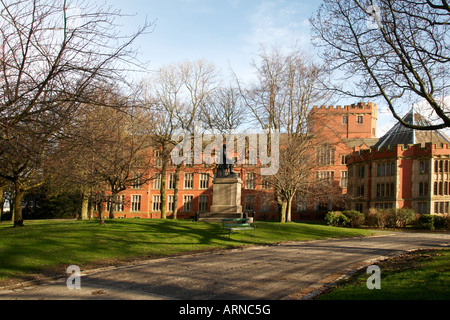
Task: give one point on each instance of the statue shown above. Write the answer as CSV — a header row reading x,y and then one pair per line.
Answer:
x,y
224,169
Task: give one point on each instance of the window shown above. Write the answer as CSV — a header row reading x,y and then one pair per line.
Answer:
x,y
203,203
136,183
158,159
157,182
249,181
301,203
171,181
359,119
204,181
265,182
344,119
343,160
422,207
422,167
435,189
170,202
188,180
323,206
360,172
249,203
325,155
326,176
187,203
265,203
156,203
344,179
359,207
135,203
118,203
360,191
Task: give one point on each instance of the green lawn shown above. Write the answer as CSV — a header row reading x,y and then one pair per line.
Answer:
x,y
421,275
48,246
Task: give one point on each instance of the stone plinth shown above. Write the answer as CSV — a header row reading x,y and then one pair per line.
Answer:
x,y
226,199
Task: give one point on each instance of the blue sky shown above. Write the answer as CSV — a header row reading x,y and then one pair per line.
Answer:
x,y
227,33
224,32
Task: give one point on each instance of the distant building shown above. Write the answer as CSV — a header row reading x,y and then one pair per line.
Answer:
x,y
406,168
341,130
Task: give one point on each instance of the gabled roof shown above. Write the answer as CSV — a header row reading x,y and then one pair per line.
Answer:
x,y
399,134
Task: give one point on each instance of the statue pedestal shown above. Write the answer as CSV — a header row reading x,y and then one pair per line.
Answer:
x,y
226,199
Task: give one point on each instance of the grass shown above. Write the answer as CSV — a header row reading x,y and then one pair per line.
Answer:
x,y
47,247
420,275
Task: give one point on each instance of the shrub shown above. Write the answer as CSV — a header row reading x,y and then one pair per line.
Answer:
x,y
376,218
426,221
399,218
439,222
336,219
370,217
356,218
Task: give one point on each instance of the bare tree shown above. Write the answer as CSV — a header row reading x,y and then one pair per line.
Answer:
x,y
224,111
175,98
54,56
105,150
288,86
395,50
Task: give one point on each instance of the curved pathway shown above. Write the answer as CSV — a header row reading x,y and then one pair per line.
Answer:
x,y
288,271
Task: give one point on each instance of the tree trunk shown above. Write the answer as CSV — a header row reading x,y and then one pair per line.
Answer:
x,y
17,208
90,209
2,203
283,210
162,189
100,209
85,207
111,205
289,209
175,192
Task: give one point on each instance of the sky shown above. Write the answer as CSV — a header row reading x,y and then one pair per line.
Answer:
x,y
227,33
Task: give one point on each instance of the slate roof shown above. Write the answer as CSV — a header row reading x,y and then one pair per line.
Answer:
x,y
399,134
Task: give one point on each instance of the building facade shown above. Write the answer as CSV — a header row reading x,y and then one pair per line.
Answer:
x,y
341,130
406,168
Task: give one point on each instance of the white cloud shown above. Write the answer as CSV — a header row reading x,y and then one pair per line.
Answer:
x,y
277,22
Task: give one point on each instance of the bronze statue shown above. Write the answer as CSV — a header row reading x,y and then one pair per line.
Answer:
x,y
224,169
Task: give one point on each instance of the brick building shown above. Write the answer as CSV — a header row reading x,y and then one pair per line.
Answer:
x,y
405,168
341,130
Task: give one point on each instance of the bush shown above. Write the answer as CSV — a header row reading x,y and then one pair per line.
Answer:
x,y
399,218
356,218
426,221
376,218
336,219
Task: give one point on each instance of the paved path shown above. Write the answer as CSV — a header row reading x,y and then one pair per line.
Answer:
x,y
288,271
